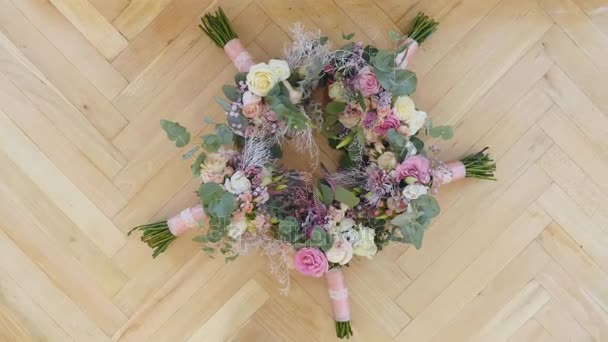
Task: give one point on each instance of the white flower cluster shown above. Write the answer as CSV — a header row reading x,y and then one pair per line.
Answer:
x,y
349,238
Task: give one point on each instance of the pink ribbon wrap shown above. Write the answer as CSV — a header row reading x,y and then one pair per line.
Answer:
x,y
187,219
457,171
404,58
338,293
239,56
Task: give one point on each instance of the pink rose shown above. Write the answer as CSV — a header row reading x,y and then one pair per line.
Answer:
x,y
366,82
416,166
247,207
389,122
311,262
246,197
252,110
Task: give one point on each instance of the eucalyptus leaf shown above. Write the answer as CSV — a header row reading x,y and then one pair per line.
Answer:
x,y
231,92
224,133
323,40
418,143
335,108
288,228
384,60
327,195
428,205
176,132
413,234
211,142
226,106
405,83
210,192
196,166
347,197
348,36
240,77
191,152
443,132
224,207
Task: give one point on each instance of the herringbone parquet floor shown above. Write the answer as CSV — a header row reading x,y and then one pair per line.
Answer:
x,y
83,84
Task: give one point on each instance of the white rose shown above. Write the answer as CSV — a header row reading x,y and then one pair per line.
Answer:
x,y
387,161
340,252
280,69
261,79
404,108
416,121
336,91
414,191
237,227
365,245
250,98
294,95
238,183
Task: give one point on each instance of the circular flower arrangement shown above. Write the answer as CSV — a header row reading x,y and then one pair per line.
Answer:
x,y
382,193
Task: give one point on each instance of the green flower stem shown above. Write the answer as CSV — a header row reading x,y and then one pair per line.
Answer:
x,y
343,329
479,165
217,26
156,235
422,27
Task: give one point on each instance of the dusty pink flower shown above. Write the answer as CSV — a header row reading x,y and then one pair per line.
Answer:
x,y
366,82
252,110
389,122
311,262
416,166
247,207
246,197
270,115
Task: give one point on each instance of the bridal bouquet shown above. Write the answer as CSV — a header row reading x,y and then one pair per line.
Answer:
x,y
383,192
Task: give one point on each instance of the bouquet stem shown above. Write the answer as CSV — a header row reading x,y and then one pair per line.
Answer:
x,y
160,235
217,26
479,165
422,27
338,293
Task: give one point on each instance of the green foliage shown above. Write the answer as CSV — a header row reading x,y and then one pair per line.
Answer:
x,y
443,132
287,111
210,192
240,77
289,230
190,153
176,132
327,195
231,92
398,144
347,197
348,36
224,207
335,107
323,40
418,143
224,134
196,166
320,238
413,223
211,142
226,106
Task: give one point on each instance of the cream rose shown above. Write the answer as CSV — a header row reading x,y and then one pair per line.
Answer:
x,y
214,168
340,252
238,183
413,191
237,226
280,69
416,121
365,245
336,91
387,161
261,79
404,108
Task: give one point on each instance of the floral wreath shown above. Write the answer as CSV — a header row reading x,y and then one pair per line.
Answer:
x,y
382,193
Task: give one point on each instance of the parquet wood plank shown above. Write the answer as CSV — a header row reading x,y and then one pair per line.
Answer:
x,y
58,72
596,10
531,331
137,15
161,32
32,162
444,305
77,49
42,290
560,324
110,9
575,298
87,19
446,229
493,297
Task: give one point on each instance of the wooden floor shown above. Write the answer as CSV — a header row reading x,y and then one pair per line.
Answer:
x,y
83,84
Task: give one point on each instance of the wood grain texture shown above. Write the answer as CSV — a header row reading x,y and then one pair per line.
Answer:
x,y
83,84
